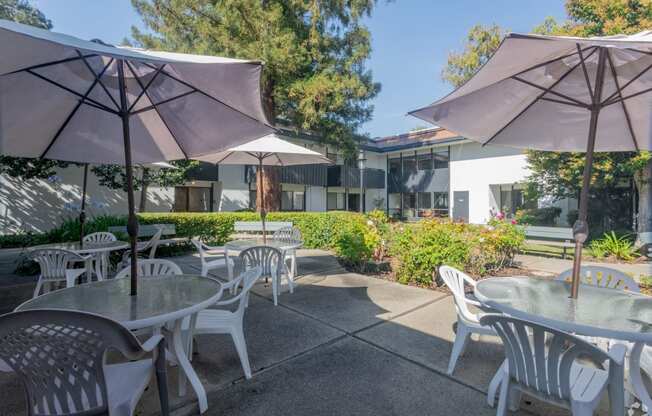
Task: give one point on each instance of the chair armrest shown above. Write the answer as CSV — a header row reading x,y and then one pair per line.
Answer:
x,y
152,342
617,353
212,248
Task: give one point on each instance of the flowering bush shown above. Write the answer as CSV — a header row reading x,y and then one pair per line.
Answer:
x,y
419,249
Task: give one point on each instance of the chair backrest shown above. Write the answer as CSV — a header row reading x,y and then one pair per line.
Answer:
x,y
59,355
603,277
269,259
151,244
54,262
201,248
539,357
151,267
288,235
99,237
247,279
456,280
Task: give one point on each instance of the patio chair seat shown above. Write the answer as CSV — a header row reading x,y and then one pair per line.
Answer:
x,y
125,384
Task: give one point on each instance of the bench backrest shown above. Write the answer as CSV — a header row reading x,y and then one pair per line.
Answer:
x,y
147,230
549,233
257,226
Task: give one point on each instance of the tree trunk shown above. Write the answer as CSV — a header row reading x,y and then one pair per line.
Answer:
x,y
270,176
272,187
643,181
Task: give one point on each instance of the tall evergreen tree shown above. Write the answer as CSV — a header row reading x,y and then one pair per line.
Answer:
x,y
314,52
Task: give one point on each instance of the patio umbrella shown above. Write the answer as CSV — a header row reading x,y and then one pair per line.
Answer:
x,y
69,99
266,151
558,93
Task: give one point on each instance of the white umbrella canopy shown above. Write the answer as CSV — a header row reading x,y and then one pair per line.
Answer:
x,y
266,151
68,99
272,150
558,93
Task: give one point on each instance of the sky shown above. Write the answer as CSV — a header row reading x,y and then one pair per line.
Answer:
x,y
411,40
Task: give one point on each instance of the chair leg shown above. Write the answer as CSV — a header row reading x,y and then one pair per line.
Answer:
x,y
495,383
241,348
503,397
39,284
162,379
461,339
275,283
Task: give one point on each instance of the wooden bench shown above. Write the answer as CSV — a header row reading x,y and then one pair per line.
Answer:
x,y
256,227
148,231
550,236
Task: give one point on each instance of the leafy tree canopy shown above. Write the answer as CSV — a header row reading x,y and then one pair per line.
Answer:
x,y
314,52
114,177
22,12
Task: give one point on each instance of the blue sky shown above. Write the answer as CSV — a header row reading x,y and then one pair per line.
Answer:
x,y
411,40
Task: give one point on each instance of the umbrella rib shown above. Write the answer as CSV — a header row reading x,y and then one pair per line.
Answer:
x,y
74,111
99,80
86,100
627,118
224,158
142,92
533,102
586,73
167,100
174,137
211,97
549,91
60,61
279,159
562,102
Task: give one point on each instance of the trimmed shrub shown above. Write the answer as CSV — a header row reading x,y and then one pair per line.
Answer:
x,y
419,249
538,216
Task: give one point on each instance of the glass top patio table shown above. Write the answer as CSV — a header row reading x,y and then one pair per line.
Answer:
x,y
240,245
87,248
598,312
160,299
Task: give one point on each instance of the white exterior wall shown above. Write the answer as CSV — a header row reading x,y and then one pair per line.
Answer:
x,y
39,205
474,168
233,190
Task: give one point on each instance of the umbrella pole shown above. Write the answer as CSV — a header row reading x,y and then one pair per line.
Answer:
x,y
581,226
132,222
263,213
82,213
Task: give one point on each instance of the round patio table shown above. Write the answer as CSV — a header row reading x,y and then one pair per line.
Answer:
x,y
597,312
241,245
100,250
161,300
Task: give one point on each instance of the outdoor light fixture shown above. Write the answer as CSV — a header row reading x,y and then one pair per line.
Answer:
x,y
361,165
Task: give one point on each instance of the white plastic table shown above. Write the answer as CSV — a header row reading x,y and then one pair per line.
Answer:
x,y
241,245
597,312
99,249
160,300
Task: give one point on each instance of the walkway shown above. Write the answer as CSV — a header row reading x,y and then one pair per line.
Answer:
x,y
342,344
551,266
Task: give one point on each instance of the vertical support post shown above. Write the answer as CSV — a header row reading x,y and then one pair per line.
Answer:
x,y
82,213
263,213
581,227
132,222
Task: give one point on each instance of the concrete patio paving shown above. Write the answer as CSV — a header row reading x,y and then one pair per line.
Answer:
x,y
342,344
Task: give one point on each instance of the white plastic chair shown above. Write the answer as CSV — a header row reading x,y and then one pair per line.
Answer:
x,y
100,262
467,322
543,362
151,267
290,235
222,321
100,237
602,277
60,358
212,257
142,247
55,267
271,261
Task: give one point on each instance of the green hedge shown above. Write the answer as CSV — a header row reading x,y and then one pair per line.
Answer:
x,y
319,229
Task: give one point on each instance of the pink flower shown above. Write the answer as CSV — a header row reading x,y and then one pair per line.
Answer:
x,y
514,222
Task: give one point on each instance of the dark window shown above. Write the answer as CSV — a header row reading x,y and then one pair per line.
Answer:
x,y
441,200
252,199
409,164
335,201
424,200
441,159
424,162
292,200
395,166
409,201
